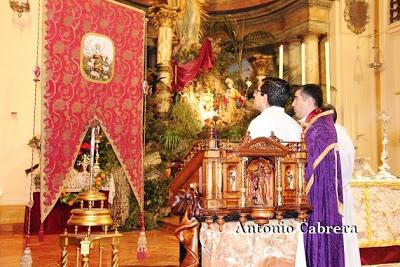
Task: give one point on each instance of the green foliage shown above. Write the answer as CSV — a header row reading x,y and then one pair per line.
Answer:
x,y
233,132
155,197
169,134
237,42
108,160
170,140
185,121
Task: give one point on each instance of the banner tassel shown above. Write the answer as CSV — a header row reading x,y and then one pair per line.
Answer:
x,y
26,259
41,233
142,240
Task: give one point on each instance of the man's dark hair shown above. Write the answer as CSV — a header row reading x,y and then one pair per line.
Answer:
x,y
277,91
315,92
326,107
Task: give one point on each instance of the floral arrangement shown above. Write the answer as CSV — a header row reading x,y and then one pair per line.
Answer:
x,y
68,198
101,179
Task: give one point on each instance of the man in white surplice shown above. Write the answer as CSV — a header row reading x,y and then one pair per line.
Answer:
x,y
270,99
347,156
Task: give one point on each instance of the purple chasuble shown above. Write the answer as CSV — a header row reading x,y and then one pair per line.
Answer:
x,y
323,249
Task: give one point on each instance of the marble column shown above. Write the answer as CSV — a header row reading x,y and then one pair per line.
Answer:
x,y
312,58
294,61
262,66
164,19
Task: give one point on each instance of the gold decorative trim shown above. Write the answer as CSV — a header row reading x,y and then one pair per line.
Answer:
x,y
321,3
323,154
328,112
377,243
391,184
316,162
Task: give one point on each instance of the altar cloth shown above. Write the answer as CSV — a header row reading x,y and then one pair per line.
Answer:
x,y
275,245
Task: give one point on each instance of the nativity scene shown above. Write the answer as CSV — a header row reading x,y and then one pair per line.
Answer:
x,y
200,133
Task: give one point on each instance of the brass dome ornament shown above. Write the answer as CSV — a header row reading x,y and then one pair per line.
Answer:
x,y
356,15
20,6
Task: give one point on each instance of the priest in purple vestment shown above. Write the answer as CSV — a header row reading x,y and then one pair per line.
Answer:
x,y
323,244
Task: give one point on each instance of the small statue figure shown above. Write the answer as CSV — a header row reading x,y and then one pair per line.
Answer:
x,y
232,180
259,182
232,100
289,177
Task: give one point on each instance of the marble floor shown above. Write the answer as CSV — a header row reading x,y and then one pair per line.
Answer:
x,y
163,250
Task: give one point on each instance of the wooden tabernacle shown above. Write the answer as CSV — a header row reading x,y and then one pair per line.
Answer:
x,y
261,179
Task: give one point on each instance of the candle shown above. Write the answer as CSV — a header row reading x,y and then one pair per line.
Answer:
x,y
327,73
303,63
176,74
92,144
281,61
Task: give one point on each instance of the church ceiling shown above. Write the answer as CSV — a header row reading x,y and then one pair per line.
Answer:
x,y
224,7
283,18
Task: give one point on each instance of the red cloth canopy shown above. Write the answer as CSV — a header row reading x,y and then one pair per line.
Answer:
x,y
187,72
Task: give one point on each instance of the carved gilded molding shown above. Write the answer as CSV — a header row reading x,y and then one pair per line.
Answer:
x,y
321,3
163,16
356,15
262,64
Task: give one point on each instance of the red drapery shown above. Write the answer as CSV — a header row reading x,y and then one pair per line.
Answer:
x,y
71,100
185,73
380,255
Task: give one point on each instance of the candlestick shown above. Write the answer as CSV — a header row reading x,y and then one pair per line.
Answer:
x,y
303,63
384,173
327,73
281,61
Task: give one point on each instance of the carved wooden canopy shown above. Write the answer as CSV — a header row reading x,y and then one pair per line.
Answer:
x,y
261,146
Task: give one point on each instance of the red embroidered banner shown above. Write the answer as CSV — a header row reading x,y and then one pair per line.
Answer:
x,y
93,64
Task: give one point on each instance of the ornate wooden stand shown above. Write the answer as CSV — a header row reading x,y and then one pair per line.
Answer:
x,y
261,179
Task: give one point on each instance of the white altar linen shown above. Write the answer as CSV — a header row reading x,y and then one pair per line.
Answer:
x,y
270,247
377,211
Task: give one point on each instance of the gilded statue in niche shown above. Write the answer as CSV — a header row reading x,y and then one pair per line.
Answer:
x,y
356,15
